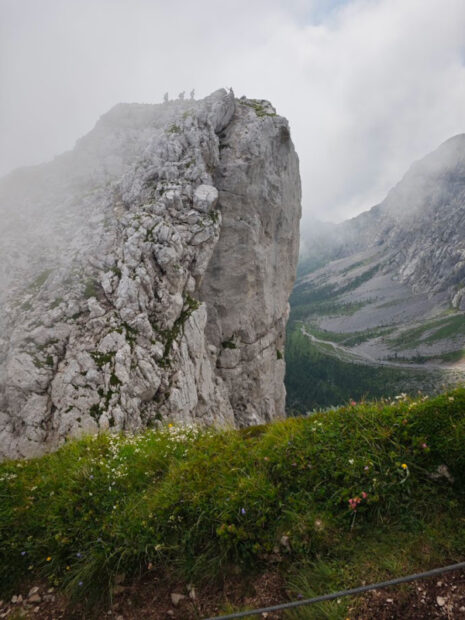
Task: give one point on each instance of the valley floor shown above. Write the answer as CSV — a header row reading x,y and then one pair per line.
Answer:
x,y
347,354
368,334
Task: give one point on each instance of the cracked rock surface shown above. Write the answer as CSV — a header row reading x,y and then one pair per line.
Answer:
x,y
144,276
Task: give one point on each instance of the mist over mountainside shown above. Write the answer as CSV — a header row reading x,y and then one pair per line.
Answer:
x,y
145,275
381,296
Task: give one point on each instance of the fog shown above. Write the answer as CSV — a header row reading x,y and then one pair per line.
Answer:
x,y
368,86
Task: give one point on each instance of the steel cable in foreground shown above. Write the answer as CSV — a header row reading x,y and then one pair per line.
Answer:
x,y
335,595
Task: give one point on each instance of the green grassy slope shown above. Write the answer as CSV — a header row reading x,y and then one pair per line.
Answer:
x,y
343,486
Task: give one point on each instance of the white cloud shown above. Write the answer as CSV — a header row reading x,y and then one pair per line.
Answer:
x,y
368,85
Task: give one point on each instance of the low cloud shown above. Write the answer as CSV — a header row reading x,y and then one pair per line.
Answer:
x,y
368,85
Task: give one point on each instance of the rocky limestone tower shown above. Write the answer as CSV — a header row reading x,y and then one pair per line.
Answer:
x,y
144,276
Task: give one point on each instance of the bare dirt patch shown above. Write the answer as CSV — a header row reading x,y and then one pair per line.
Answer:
x,y
442,597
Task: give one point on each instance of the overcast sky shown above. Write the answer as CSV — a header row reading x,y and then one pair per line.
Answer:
x,y
367,85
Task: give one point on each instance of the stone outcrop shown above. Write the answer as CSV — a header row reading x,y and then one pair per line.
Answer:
x,y
144,276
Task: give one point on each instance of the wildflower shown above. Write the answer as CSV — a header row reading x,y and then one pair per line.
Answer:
x,y
404,466
351,461
299,596
366,468
49,559
451,398
80,583
424,446
23,553
353,403
170,426
265,458
242,511
364,495
354,502
78,554
67,568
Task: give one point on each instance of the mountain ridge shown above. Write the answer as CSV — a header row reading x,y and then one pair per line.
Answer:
x,y
389,284
113,315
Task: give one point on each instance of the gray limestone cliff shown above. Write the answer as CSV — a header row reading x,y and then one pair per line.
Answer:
x,y
145,275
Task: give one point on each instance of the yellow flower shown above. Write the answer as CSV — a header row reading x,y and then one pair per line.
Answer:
x,y
48,559
170,426
67,568
404,466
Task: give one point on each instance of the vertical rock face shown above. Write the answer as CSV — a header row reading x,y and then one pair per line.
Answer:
x,y
144,276
248,279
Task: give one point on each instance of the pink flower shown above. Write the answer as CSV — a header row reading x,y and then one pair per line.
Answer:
x,y
354,502
364,495
424,446
353,403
